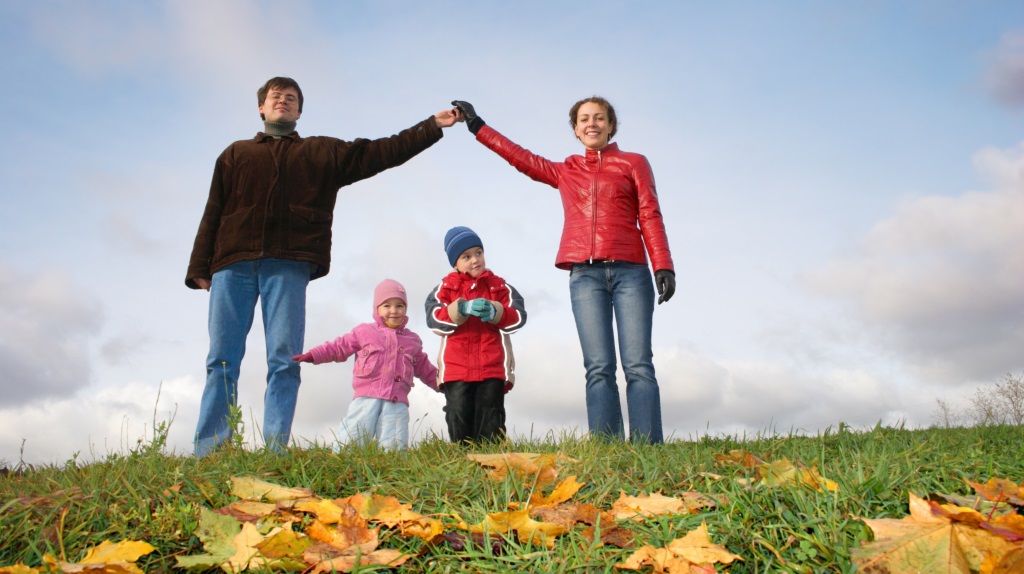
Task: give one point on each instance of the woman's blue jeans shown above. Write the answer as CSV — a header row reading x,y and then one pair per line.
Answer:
x,y
280,286
604,292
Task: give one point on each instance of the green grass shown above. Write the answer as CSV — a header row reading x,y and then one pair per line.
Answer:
x,y
65,509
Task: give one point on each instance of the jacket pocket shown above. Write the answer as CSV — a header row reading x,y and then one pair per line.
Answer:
x,y
367,361
235,234
309,229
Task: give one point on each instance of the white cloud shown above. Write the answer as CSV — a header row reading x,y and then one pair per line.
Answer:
x,y
46,323
940,281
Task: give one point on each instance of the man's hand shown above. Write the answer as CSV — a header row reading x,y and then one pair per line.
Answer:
x,y
665,280
204,284
446,118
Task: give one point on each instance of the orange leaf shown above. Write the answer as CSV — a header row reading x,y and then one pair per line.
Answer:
x,y
565,490
543,466
1000,490
934,538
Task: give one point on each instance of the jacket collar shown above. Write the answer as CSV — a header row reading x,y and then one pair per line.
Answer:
x,y
593,155
262,137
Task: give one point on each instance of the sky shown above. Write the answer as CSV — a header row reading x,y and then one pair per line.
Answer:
x,y
842,185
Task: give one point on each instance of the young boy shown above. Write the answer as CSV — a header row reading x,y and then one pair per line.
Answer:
x,y
474,311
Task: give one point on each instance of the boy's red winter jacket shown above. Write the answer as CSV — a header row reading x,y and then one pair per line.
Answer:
x,y
472,350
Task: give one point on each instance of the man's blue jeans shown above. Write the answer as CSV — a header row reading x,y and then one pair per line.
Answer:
x,y
603,292
280,286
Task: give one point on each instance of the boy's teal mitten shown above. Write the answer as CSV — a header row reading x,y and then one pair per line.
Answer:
x,y
482,308
466,308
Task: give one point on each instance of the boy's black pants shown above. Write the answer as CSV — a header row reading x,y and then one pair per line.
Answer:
x,y
475,411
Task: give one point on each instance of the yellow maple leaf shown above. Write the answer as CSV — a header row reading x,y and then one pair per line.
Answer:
x,y
107,557
783,472
526,528
645,506
252,488
694,552
934,538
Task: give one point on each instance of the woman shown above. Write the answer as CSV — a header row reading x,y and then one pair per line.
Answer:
x,y
612,225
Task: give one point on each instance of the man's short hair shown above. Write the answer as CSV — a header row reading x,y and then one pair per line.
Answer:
x,y
280,83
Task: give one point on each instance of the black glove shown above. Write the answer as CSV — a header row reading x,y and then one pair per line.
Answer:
x,y
473,121
665,280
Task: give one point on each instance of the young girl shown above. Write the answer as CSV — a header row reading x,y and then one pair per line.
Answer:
x,y
389,356
474,311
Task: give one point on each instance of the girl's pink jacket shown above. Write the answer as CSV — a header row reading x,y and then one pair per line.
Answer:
x,y
386,360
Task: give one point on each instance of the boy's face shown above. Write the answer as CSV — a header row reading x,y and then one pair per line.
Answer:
x,y
392,311
281,105
471,262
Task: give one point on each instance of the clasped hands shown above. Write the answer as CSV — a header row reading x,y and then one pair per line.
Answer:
x,y
479,307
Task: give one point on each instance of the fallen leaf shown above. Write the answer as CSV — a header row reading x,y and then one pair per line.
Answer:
x,y
934,538
251,488
690,554
526,529
525,465
642,507
1000,490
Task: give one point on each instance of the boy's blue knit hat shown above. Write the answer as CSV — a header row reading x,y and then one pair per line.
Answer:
x,y
459,239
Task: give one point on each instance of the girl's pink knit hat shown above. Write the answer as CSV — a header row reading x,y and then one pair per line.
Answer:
x,y
387,289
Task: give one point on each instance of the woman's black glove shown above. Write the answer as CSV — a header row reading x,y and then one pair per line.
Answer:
x,y
665,280
473,121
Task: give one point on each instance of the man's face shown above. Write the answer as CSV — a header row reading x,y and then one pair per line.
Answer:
x,y
281,105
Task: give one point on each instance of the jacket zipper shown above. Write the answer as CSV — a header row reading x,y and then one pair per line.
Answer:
x,y
593,209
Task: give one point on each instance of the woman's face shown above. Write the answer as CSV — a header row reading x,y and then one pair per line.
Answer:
x,y
592,126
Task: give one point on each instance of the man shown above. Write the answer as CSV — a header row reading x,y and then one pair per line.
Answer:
x,y
265,234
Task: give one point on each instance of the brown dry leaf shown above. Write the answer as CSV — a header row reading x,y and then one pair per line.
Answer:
x,y
387,557
640,507
388,511
690,554
252,488
527,529
614,535
569,515
740,457
108,557
543,466
934,538
248,510
1000,490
